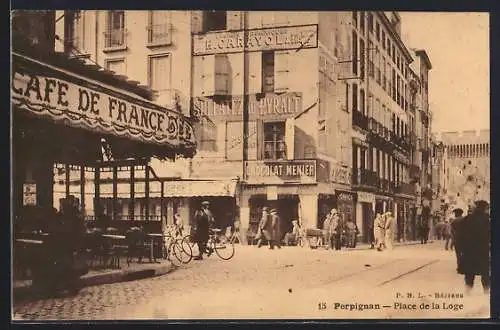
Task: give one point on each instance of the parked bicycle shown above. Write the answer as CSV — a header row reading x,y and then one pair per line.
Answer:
x,y
176,249
220,244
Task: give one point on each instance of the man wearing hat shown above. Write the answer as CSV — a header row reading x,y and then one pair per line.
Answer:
x,y
203,220
454,224
276,229
265,227
473,243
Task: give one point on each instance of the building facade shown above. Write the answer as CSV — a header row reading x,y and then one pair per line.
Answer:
x,y
386,99
332,118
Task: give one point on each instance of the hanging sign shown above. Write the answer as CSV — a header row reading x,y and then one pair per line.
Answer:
x,y
29,194
46,91
272,193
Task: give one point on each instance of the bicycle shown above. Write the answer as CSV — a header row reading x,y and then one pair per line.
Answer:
x,y
178,247
220,244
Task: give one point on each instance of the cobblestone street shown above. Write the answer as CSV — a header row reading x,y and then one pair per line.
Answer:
x,y
287,283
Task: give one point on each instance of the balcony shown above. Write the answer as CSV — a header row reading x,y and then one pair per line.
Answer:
x,y
364,177
159,35
115,40
405,188
359,120
415,171
384,185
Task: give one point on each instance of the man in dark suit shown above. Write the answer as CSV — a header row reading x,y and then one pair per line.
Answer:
x,y
473,242
203,220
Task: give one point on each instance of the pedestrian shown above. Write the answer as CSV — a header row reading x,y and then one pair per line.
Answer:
x,y
292,238
276,229
265,228
425,219
327,230
337,228
390,225
379,231
448,242
473,242
454,224
203,220
178,225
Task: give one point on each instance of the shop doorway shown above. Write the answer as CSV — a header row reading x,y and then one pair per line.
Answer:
x,y
325,204
368,218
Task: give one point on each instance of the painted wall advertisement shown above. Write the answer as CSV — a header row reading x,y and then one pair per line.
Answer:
x,y
92,106
281,172
281,38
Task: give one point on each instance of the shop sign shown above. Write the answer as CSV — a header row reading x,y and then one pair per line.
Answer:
x,y
281,38
345,196
29,194
340,174
82,103
280,172
199,188
272,193
268,105
364,197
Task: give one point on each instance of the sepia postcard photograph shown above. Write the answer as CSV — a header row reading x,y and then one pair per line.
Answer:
x,y
257,165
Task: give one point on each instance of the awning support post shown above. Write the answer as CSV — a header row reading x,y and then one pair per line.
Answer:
x,y
132,192
97,193
115,191
82,187
146,190
67,177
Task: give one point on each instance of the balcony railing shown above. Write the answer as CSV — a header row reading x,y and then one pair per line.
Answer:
x,y
364,177
159,34
405,188
359,119
115,38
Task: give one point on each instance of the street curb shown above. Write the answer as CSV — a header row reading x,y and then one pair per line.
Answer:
x,y
116,276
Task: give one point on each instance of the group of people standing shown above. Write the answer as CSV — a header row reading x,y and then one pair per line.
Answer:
x,y
384,227
269,230
332,230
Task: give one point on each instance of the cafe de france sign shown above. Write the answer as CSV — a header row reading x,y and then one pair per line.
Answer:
x,y
46,91
280,38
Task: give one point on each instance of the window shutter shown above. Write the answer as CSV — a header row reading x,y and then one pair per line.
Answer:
x,y
221,71
281,70
208,79
234,20
290,138
196,21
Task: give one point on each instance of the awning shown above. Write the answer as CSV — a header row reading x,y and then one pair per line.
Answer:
x,y
199,188
43,90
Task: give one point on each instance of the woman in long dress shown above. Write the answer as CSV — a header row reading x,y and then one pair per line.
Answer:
x,y
379,231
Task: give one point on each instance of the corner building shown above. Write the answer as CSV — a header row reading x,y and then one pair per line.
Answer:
x,y
298,153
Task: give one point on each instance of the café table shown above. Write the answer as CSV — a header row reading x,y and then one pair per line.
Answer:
x,y
114,238
153,237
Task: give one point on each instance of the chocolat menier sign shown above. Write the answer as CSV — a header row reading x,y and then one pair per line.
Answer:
x,y
46,91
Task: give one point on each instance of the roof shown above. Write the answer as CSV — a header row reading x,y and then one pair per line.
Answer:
x,y
396,36
22,44
423,54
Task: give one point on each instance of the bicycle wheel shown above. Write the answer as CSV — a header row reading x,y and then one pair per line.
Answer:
x,y
224,248
172,255
183,251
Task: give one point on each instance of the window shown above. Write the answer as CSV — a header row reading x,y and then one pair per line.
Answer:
x,y
377,31
115,33
215,20
362,101
354,52
383,40
362,22
389,46
159,28
75,32
393,54
346,97
355,97
274,140
370,22
394,84
268,72
116,65
362,58
371,65
355,18
159,72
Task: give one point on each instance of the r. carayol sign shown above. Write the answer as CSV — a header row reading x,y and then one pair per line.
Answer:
x,y
280,38
46,91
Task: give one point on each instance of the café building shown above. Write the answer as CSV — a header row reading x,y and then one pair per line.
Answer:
x,y
83,119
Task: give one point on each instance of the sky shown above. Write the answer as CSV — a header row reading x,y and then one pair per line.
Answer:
x,y
458,47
